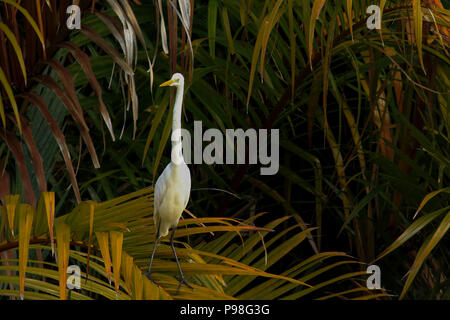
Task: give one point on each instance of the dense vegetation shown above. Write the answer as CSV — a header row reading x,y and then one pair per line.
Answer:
x,y
364,122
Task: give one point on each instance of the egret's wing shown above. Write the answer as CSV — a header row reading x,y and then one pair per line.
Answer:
x,y
158,194
160,189
187,186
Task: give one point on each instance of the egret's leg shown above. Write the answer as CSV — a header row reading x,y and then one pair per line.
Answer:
x,y
182,280
153,254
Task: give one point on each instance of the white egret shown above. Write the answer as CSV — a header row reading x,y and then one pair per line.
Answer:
x,y
172,189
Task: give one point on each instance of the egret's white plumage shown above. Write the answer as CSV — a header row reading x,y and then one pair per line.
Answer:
x,y
172,189
171,196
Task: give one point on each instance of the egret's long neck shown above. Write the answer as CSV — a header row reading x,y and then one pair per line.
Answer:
x,y
176,125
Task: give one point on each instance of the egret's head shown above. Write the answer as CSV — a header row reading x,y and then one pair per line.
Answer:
x,y
177,80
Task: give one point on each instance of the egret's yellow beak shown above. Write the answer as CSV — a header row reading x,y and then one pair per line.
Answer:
x,y
168,83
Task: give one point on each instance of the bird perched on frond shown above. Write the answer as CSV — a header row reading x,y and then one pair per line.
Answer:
x,y
172,189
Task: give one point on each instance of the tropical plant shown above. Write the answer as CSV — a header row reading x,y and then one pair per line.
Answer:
x,y
364,131
364,113
112,242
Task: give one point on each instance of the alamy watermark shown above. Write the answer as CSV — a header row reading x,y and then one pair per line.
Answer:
x,y
374,21
74,280
221,147
373,282
74,20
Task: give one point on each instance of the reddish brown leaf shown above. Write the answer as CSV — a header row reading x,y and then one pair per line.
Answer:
x,y
115,28
16,148
5,184
67,80
36,158
84,130
83,60
59,136
115,55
